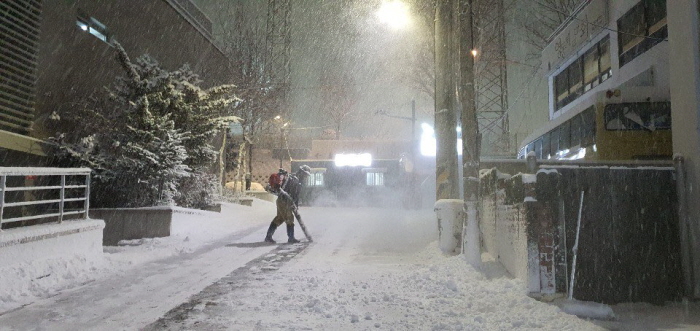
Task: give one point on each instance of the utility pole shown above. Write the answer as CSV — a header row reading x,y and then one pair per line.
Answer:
x,y
467,98
470,132
447,176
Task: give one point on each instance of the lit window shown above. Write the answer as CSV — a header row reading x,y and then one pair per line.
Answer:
x,y
94,27
375,179
316,177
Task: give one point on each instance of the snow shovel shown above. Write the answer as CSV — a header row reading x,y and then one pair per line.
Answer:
x,y
303,227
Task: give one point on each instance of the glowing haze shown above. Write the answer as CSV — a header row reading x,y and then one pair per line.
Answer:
x,y
395,14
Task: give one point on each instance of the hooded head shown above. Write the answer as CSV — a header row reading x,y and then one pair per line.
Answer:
x,y
304,172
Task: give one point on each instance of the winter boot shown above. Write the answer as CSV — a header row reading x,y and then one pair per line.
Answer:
x,y
270,232
290,234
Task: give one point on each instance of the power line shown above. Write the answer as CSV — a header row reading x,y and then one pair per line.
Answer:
x,y
570,16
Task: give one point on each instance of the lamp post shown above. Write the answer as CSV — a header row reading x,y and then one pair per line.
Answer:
x,y
413,125
279,118
414,146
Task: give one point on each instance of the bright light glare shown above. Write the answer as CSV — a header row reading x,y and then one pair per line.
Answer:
x,y
428,144
475,52
353,160
394,13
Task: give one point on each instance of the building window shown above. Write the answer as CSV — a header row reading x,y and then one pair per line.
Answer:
x,y
641,28
375,178
315,179
582,75
94,27
649,116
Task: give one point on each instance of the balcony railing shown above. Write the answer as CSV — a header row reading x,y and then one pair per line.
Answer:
x,y
32,194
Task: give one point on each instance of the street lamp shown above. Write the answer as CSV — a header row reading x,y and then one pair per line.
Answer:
x,y
279,118
394,13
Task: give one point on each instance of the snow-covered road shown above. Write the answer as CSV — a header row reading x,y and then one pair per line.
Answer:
x,y
368,269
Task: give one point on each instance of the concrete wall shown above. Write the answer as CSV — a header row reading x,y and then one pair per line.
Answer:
x,y
503,226
134,223
684,41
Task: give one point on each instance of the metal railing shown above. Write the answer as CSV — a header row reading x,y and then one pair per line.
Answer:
x,y
21,180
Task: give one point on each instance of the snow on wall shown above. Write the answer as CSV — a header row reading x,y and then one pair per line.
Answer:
x,y
450,219
512,239
504,233
49,255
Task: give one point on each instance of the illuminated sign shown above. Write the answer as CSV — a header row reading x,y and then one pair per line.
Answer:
x,y
353,160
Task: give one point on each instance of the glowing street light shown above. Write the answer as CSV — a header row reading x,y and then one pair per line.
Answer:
x,y
394,13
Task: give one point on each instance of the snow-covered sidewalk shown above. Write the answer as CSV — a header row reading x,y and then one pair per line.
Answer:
x,y
140,281
371,269
367,269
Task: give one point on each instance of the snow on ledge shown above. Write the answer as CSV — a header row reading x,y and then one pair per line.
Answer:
x,y
24,171
21,235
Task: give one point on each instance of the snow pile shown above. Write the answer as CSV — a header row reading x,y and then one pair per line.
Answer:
x,y
37,260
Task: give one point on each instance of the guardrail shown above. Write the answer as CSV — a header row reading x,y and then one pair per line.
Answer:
x,y
43,187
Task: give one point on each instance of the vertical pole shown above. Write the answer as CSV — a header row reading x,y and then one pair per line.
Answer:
x,y
470,132
250,149
445,113
3,185
63,198
684,80
575,250
470,128
87,196
683,228
415,202
281,145
413,127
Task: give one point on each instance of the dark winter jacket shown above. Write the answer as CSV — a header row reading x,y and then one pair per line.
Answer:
x,y
292,186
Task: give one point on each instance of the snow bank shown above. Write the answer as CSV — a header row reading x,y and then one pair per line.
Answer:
x,y
38,260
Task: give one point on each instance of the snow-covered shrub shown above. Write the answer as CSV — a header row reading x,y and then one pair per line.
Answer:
x,y
199,190
149,138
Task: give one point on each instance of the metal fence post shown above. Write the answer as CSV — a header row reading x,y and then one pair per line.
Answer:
x,y
63,197
87,195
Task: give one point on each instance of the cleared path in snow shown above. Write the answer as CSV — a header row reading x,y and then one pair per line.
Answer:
x,y
129,301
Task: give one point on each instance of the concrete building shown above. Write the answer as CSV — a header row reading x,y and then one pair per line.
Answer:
x,y
56,53
641,51
606,56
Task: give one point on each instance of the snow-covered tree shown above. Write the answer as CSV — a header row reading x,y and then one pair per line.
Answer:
x,y
150,138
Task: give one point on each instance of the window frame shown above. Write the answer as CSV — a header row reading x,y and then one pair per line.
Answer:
x,y
632,46
566,90
94,27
